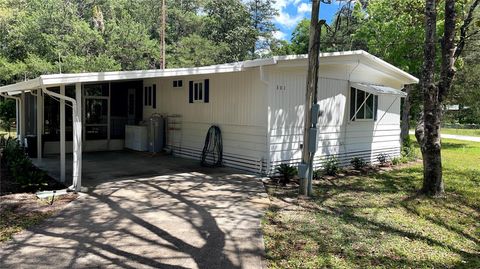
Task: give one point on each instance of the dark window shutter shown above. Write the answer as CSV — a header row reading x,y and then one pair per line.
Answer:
x,y
206,97
180,83
375,109
175,83
190,92
146,96
154,96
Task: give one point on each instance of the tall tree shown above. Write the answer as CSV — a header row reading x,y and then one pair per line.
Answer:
x,y
384,27
338,36
262,13
300,37
465,91
434,93
229,22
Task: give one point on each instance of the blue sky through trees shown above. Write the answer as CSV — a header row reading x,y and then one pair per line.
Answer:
x,y
293,11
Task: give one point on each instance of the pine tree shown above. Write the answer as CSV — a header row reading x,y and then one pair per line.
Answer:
x,y
262,14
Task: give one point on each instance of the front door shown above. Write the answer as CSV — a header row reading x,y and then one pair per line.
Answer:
x,y
96,107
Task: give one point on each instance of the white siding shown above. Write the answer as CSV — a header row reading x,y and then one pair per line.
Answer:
x,y
336,134
237,104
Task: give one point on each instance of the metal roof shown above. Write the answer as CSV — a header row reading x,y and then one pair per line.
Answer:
x,y
377,89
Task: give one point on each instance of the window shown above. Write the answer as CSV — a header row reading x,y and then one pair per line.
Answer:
x,y
198,92
363,105
150,98
178,83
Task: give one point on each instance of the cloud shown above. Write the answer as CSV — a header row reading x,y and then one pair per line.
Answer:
x,y
290,12
288,21
304,8
279,35
284,18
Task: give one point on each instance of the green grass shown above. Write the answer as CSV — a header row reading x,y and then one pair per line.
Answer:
x,y
380,221
467,132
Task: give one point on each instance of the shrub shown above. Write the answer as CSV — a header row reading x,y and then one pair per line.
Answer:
x,y
7,114
404,159
408,150
358,163
396,161
317,174
383,158
287,172
20,166
331,166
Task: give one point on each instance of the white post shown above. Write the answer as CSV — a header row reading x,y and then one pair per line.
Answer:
x,y
62,135
39,123
22,118
17,118
77,133
77,138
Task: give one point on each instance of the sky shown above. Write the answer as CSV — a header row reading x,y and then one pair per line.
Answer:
x,y
293,11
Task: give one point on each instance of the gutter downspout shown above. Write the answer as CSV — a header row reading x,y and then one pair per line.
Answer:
x,y
77,139
267,144
19,116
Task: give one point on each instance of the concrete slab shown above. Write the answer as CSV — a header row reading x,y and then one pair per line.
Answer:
x,y
149,212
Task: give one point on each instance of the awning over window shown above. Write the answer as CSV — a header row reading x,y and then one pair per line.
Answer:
x,y
378,90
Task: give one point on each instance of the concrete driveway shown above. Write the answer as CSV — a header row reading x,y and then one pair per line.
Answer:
x,y
177,215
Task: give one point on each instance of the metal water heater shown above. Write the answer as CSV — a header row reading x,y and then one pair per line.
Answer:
x,y
156,133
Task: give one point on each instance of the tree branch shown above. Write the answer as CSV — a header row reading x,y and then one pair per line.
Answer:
x,y
448,50
464,29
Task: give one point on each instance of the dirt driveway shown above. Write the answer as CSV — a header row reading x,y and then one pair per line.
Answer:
x,y
204,218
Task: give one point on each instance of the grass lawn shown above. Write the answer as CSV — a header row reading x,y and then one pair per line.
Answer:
x,y
467,132
379,220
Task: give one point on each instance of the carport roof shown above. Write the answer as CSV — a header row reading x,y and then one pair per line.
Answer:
x,y
347,57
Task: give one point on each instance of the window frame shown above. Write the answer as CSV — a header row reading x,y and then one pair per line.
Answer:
x,y
150,96
198,96
178,83
352,117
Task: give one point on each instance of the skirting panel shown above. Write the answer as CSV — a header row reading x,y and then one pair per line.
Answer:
x,y
229,160
370,156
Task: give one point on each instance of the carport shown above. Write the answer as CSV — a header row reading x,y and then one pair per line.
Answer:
x,y
110,166
78,93
138,210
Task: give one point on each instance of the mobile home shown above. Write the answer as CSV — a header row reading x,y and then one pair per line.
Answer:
x,y
258,105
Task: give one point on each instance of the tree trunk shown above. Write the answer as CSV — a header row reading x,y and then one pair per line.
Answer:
x,y
405,126
311,94
428,130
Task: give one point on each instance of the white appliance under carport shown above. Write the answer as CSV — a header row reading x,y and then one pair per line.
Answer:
x,y
149,136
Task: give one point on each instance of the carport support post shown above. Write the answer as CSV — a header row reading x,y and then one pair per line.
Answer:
x,y
62,135
22,118
17,118
77,133
77,138
39,123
